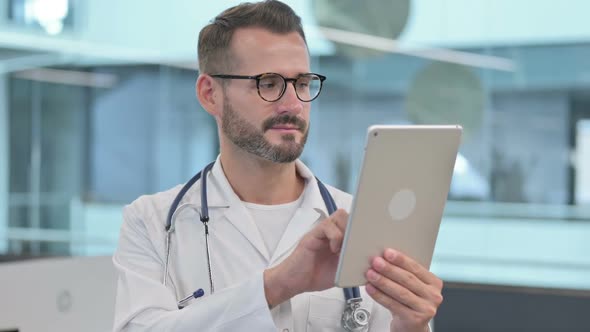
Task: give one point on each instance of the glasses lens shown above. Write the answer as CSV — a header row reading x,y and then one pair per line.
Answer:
x,y
270,87
308,86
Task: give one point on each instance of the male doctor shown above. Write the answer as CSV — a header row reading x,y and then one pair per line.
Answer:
x,y
273,246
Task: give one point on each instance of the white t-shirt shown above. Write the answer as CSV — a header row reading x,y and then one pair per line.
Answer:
x,y
272,220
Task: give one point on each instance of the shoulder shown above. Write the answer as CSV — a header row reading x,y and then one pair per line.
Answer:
x,y
143,228
151,208
342,199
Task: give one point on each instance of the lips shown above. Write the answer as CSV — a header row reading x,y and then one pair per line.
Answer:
x,y
285,122
285,128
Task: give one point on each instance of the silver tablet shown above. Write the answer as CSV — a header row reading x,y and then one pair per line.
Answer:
x,y
401,194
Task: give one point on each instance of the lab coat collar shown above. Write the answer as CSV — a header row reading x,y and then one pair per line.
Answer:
x,y
312,198
237,213
311,210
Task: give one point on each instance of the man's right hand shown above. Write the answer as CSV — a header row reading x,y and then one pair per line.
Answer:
x,y
312,265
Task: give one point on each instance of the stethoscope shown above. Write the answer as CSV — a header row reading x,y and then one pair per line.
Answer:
x,y
354,318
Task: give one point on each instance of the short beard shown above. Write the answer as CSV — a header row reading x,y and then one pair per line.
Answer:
x,y
251,139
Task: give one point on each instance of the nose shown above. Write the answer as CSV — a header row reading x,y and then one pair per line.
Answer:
x,y
289,103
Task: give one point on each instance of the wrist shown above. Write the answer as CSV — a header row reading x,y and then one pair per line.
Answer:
x,y
394,328
276,289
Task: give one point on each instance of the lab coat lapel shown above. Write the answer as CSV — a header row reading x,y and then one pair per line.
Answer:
x,y
300,224
311,211
236,214
240,217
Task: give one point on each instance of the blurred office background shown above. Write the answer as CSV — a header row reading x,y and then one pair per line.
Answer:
x,y
97,107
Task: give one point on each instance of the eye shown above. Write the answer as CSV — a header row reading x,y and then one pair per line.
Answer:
x,y
266,85
270,82
303,82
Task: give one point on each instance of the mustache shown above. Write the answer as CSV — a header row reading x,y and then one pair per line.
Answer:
x,y
284,119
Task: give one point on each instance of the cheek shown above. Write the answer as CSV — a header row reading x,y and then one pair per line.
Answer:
x,y
257,119
306,114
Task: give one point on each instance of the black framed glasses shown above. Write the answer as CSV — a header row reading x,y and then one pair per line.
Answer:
x,y
272,86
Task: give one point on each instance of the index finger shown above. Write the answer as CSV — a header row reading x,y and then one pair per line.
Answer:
x,y
409,264
340,218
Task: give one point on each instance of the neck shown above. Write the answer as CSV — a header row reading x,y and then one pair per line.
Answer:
x,y
259,181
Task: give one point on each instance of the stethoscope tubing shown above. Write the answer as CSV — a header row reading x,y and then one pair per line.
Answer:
x,y
168,240
175,208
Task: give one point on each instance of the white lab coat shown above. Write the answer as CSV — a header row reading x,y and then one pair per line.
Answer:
x,y
238,257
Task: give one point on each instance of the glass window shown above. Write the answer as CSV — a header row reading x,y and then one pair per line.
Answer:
x,y
93,119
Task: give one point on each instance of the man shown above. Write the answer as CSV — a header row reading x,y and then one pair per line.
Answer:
x,y
273,247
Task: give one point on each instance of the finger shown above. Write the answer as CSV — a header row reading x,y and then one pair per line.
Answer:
x,y
398,308
327,230
340,218
396,291
335,236
407,280
405,262
387,301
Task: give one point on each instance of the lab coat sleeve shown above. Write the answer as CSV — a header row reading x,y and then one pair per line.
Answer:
x,y
143,303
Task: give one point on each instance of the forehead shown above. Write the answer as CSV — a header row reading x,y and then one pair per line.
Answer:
x,y
256,50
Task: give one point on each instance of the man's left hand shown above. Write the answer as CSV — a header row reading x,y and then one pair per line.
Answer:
x,y
406,288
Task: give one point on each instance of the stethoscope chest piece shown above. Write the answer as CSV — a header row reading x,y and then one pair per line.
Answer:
x,y
355,318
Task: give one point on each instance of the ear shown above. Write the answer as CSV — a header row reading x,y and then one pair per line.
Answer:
x,y
209,94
